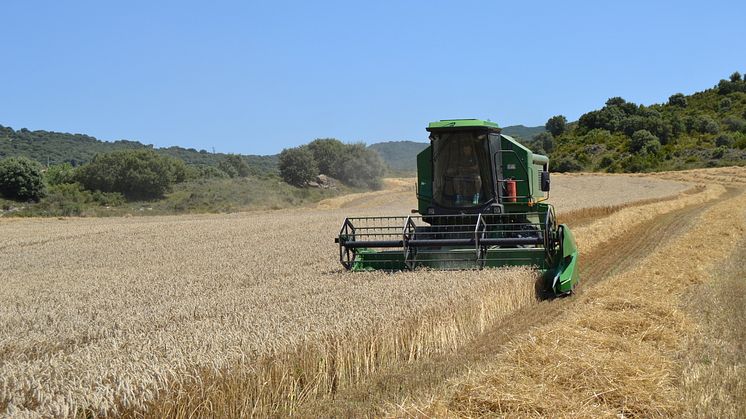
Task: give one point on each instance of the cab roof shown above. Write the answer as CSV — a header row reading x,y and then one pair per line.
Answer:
x,y
458,124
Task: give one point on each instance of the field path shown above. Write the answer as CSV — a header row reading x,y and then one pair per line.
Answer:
x,y
395,192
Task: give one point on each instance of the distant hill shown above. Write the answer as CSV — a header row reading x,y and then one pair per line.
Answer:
x,y
523,132
400,156
57,147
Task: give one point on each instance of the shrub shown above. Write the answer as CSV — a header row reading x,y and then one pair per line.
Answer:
x,y
724,141
556,125
740,141
566,164
234,166
207,172
546,140
59,174
640,139
606,161
297,166
703,124
65,199
735,124
725,104
652,146
137,174
21,179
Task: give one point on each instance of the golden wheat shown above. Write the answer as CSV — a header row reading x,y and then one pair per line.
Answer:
x,y
618,352
107,316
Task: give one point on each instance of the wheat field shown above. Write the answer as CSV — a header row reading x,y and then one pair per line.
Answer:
x,y
134,315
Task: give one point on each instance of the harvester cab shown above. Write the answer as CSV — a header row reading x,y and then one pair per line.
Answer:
x,y
481,203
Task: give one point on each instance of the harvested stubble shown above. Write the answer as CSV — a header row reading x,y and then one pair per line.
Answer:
x,y
617,354
178,314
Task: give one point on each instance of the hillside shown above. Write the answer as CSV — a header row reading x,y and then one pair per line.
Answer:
x,y
57,147
523,132
400,156
704,129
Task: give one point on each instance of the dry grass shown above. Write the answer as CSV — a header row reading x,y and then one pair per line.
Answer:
x,y
714,355
225,314
618,351
583,216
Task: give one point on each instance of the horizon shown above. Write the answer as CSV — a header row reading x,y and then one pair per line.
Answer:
x,y
216,151
247,79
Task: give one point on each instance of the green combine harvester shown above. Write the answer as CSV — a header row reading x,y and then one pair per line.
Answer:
x,y
481,204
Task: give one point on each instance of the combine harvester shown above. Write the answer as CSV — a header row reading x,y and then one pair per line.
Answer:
x,y
481,205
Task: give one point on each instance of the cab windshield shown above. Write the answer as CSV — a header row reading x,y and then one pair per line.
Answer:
x,y
461,170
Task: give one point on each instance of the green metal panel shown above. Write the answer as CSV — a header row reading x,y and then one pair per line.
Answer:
x,y
515,161
522,164
453,258
462,123
567,271
424,179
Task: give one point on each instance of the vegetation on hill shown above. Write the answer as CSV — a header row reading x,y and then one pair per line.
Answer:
x,y
143,181
705,129
21,178
51,148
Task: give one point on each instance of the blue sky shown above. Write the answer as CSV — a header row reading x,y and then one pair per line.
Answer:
x,y
255,77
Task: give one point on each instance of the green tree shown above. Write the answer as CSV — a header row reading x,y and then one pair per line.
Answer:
x,y
59,174
137,174
329,155
724,140
297,166
615,101
546,140
234,165
643,140
21,178
735,77
725,104
556,125
678,99
707,125
735,124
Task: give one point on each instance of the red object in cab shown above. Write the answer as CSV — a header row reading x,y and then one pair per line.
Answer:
x,y
510,186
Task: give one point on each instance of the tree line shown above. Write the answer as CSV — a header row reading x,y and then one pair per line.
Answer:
x,y
143,174
140,174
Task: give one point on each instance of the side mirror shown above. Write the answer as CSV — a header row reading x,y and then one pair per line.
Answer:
x,y
545,181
